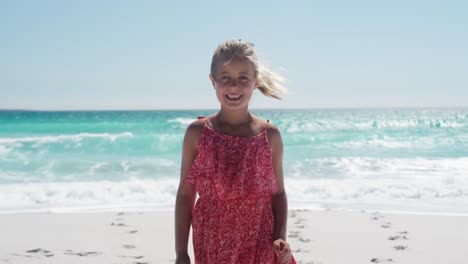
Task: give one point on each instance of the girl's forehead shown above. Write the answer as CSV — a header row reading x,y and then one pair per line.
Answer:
x,y
235,64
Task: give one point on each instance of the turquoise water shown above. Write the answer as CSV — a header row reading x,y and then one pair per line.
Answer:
x,y
387,159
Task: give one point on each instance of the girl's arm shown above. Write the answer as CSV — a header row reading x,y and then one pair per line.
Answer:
x,y
279,200
185,194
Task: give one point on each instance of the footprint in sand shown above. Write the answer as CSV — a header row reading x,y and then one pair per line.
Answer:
x,y
400,247
133,257
299,221
82,254
378,260
294,234
129,246
46,253
386,225
300,250
377,217
37,250
397,237
118,224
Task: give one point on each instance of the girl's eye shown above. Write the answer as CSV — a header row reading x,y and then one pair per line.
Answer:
x,y
243,79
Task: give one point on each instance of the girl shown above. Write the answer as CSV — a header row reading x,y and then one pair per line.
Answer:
x,y
233,160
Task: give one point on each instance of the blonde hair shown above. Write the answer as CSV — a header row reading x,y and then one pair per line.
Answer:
x,y
269,82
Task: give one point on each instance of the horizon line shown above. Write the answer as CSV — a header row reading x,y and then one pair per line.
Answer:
x,y
217,109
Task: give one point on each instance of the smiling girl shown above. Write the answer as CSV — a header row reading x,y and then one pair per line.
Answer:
x,y
233,160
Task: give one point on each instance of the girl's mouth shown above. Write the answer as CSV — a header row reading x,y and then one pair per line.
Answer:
x,y
233,97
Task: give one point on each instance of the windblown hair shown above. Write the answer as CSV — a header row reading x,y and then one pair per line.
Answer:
x,y
270,83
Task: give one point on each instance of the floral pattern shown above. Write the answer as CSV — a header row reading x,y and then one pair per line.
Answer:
x,y
232,219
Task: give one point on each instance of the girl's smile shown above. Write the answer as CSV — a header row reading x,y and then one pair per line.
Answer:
x,y
233,97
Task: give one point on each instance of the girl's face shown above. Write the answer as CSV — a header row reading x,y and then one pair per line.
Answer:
x,y
234,82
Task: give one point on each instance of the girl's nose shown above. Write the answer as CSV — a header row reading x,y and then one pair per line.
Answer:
x,y
233,83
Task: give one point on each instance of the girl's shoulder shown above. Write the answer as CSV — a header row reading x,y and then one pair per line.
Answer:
x,y
197,125
265,124
272,132
194,131
258,126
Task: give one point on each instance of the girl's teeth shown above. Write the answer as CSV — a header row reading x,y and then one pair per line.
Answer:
x,y
233,97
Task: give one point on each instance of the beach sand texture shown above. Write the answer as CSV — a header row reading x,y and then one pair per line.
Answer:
x,y
327,237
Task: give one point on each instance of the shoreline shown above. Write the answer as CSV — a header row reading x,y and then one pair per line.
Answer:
x,y
325,236
152,210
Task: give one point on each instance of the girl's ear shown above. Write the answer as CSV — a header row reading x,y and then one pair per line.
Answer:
x,y
212,80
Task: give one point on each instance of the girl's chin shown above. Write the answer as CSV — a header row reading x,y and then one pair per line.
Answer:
x,y
230,105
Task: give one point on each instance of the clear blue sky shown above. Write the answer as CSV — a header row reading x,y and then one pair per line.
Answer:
x,y
156,54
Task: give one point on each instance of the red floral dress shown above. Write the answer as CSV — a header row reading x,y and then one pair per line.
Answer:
x,y
232,219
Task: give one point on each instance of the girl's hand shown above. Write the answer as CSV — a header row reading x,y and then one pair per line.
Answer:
x,y
282,251
182,259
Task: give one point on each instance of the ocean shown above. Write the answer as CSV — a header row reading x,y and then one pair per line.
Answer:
x,y
392,160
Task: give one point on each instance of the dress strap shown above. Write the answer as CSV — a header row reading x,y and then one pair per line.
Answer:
x,y
205,121
266,127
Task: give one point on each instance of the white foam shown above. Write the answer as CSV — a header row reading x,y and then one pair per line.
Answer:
x,y
380,168
304,126
182,121
84,196
4,150
95,167
444,191
385,141
125,165
59,138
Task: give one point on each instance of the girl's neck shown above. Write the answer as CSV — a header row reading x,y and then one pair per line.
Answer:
x,y
235,118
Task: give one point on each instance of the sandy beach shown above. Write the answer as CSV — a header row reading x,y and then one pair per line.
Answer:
x,y
328,237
